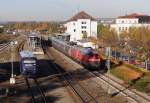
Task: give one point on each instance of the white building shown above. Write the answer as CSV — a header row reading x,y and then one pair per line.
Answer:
x,y
81,24
1,26
124,23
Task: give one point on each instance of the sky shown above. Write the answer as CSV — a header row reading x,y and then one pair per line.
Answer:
x,y
60,10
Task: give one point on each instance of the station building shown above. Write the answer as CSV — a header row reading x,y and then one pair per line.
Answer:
x,y
80,25
124,23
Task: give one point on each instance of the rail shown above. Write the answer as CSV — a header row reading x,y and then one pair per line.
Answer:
x,y
122,89
83,94
6,45
3,46
40,90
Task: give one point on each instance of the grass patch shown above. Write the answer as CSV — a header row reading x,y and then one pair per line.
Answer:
x,y
143,84
140,70
139,78
126,74
133,76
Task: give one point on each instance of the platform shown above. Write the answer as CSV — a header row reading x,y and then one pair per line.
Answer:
x,y
36,51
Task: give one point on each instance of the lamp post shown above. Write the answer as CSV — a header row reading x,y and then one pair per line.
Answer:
x,y
12,79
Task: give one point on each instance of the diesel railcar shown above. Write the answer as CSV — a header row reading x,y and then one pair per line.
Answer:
x,y
28,64
86,56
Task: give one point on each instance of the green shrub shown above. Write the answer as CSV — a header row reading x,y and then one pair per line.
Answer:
x,y
143,84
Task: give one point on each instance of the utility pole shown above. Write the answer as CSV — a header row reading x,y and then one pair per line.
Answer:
x,y
12,79
108,54
146,64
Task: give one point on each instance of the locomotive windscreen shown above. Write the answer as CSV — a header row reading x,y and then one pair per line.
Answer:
x,y
29,61
28,64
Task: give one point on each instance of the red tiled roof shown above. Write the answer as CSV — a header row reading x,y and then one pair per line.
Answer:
x,y
81,15
132,16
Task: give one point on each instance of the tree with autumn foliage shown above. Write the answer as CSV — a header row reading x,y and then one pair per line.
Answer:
x,y
135,42
43,27
107,36
138,40
1,30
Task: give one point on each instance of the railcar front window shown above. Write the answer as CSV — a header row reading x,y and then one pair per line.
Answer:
x,y
28,65
29,61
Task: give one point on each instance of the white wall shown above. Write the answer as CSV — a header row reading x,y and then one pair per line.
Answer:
x,y
1,26
94,29
90,27
125,27
127,21
124,24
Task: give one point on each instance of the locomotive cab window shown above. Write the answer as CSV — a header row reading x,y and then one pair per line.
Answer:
x,y
29,61
28,65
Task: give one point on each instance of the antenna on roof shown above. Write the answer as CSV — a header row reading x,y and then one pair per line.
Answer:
x,y
126,13
78,8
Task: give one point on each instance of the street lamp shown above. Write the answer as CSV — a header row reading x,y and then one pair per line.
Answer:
x,y
12,79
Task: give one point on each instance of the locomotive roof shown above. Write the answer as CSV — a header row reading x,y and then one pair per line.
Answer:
x,y
26,54
60,41
82,49
66,43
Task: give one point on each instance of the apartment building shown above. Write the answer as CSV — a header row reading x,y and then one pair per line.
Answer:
x,y
79,25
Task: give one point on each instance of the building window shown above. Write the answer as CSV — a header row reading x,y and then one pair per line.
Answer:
x,y
119,28
83,32
122,21
83,22
74,24
83,27
74,30
126,28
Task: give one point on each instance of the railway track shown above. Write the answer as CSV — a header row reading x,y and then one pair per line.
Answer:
x,y
5,49
5,56
5,73
7,45
95,94
42,95
132,95
37,85
78,89
20,48
39,89
81,92
3,46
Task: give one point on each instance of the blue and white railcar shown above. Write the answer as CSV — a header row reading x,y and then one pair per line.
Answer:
x,y
28,64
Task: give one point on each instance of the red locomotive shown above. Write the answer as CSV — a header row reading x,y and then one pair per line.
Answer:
x,y
86,56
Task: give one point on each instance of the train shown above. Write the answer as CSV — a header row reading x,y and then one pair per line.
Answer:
x,y
28,64
85,56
